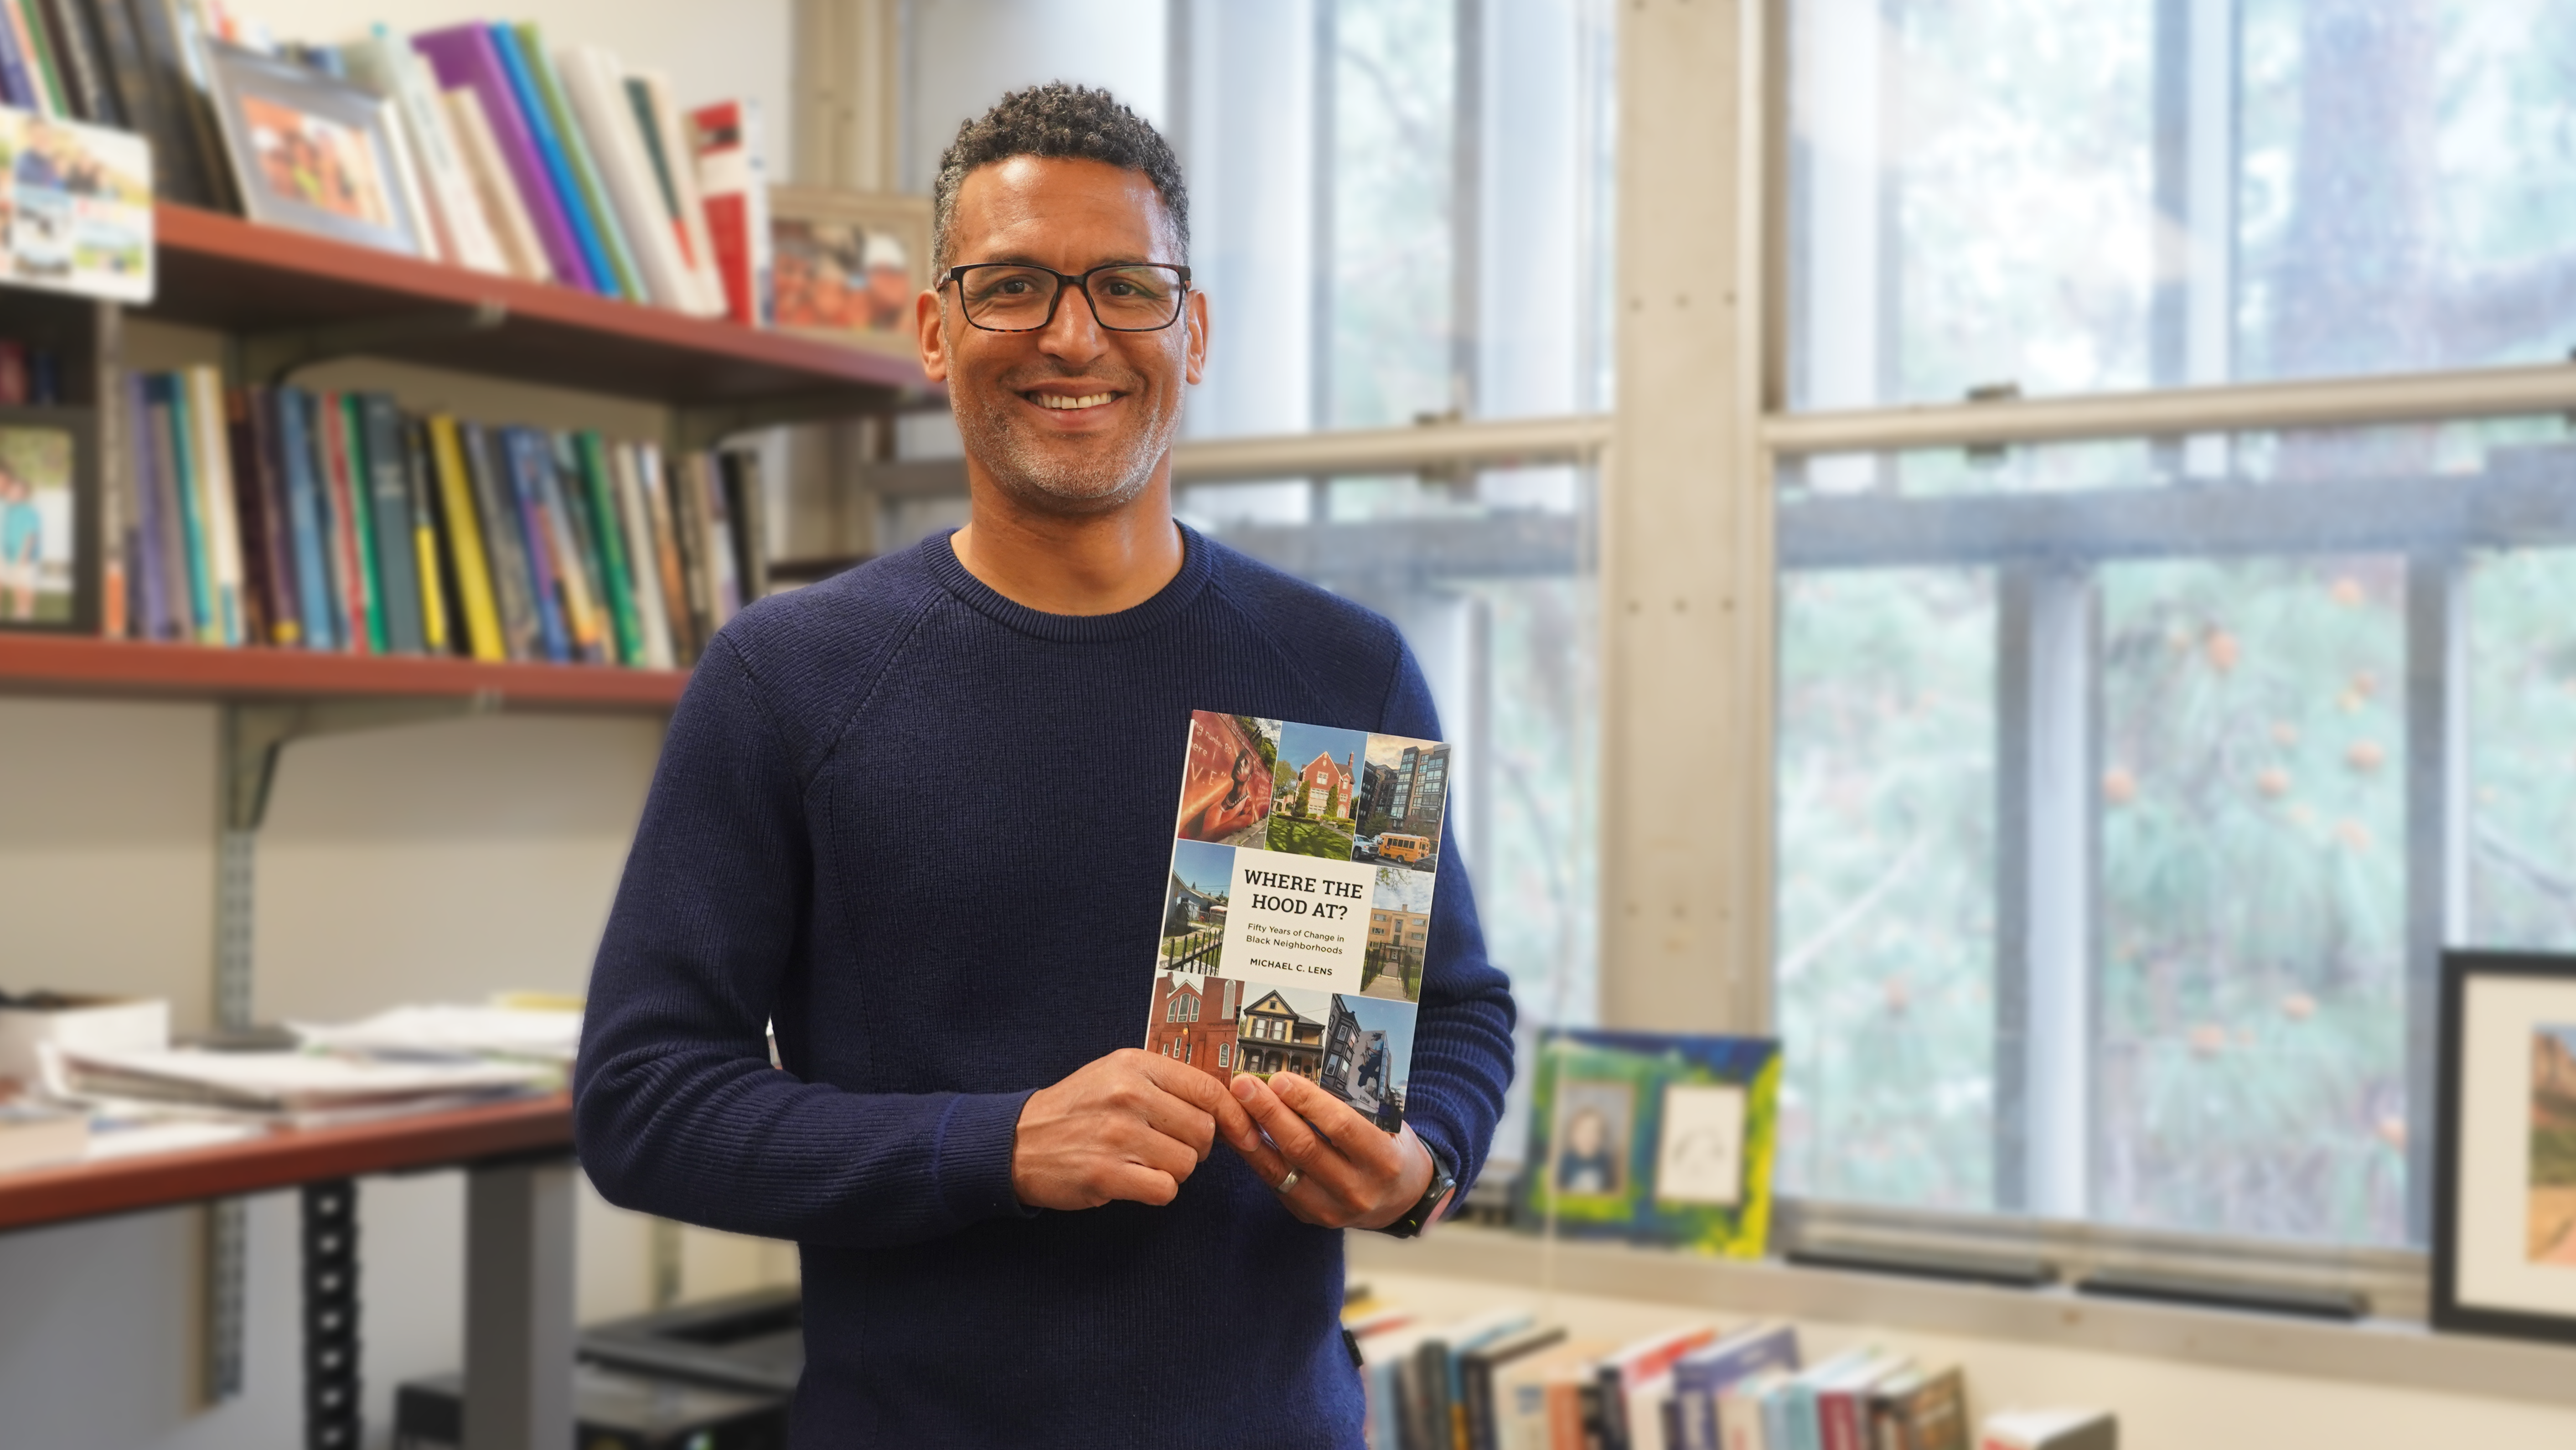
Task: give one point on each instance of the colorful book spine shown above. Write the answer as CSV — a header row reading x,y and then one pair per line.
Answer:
x,y
345,454
558,166
308,521
379,428
466,57
151,582
643,558
441,602
724,141
208,449
260,614
17,79
617,577
663,519
465,542
29,27
198,621
594,638
544,579
581,163
505,542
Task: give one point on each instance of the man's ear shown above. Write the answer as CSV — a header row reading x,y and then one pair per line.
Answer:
x,y
1195,358
926,321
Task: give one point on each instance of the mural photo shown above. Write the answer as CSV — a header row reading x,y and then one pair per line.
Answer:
x,y
1226,786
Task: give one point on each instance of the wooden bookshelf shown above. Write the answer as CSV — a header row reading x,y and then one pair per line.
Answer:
x,y
240,277
282,1160
36,664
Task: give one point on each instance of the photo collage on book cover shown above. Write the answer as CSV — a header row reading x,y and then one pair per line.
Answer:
x,y
1298,908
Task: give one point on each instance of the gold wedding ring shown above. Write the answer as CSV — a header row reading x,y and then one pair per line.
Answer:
x,y
1288,1182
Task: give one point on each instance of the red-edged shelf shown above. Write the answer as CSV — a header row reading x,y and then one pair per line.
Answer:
x,y
237,276
282,1160
72,665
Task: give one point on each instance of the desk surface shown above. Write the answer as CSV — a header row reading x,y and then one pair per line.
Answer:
x,y
282,1160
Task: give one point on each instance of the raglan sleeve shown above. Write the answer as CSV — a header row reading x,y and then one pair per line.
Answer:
x,y
1462,1039
677,1110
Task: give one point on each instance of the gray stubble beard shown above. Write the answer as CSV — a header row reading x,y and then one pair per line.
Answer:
x,y
1029,473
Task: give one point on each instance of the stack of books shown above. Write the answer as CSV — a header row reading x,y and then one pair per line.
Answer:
x,y
339,522
1504,1381
513,158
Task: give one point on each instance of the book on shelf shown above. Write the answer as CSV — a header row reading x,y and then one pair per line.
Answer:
x,y
2049,1430
339,522
1297,909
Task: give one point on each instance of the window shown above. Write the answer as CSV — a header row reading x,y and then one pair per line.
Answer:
x,y
1225,1054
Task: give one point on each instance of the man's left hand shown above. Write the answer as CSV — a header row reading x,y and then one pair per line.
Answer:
x,y
1350,1173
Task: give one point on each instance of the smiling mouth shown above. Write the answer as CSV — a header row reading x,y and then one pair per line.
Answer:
x,y
1060,402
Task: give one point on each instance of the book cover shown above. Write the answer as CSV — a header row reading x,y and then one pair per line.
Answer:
x,y
28,23
724,142
465,57
182,534
259,463
1480,1383
151,593
581,162
84,78
557,162
188,149
505,542
586,609
1298,905
389,500
308,520
1654,1137
457,520
1920,1410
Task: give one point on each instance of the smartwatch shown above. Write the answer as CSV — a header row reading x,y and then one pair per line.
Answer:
x,y
1418,1217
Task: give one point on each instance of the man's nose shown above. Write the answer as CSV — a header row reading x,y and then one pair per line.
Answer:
x,y
1074,334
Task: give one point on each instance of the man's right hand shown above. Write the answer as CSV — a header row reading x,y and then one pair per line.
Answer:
x,y
1132,1126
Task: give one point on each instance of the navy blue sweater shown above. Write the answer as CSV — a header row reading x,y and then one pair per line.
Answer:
x,y
926,830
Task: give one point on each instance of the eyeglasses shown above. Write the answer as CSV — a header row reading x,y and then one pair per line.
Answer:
x,y
1124,296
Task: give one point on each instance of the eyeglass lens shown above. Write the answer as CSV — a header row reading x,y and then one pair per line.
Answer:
x,y
1018,299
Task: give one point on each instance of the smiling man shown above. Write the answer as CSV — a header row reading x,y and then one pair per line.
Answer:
x,y
1018,1228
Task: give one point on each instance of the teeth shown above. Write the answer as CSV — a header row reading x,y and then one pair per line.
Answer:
x,y
1087,400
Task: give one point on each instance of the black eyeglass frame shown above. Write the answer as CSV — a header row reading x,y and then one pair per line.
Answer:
x,y
1080,282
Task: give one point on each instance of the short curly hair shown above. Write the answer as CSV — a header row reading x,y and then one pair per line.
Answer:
x,y
1057,119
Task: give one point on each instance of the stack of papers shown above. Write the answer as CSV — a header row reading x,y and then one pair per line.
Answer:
x,y
292,1088
438,1032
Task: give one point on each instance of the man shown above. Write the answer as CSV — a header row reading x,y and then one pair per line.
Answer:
x,y
1018,1228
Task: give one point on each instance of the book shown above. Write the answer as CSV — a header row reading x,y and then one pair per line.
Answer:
x,y
1919,1410
262,617
514,230
2050,1430
76,50
543,133
617,579
747,507
588,612
724,143
168,66
1633,1382
17,74
676,167
344,455
462,531
307,511
678,615
1660,1138
441,626
467,57
389,497
1290,940
1842,1402
1480,1372
581,161
1428,1383
1704,1374
1741,1409
505,543
448,203
595,92
514,463
209,449
153,615
26,19
644,558
183,563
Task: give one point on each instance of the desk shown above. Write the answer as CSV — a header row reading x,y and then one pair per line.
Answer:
x,y
518,1246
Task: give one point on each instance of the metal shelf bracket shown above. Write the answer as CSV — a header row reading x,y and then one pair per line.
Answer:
x,y
271,357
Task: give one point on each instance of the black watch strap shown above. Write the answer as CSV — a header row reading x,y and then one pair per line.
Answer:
x,y
1419,1216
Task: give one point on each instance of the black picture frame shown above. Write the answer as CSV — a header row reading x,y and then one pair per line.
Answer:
x,y
87,528
2462,971
245,80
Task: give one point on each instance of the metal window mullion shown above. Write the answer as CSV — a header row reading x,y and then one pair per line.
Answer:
x,y
2437,837
2047,743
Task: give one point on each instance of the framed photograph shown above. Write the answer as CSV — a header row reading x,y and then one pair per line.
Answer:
x,y
49,520
311,152
2504,1187
846,265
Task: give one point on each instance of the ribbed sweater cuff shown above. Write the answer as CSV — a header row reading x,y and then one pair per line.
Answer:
x,y
971,1161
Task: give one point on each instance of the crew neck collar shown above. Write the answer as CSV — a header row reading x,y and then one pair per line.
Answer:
x,y
940,556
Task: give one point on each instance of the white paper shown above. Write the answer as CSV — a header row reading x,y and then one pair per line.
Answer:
x,y
1700,1157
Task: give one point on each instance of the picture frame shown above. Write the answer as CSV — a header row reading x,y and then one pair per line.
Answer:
x,y
2504,1185
50,560
311,152
829,272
